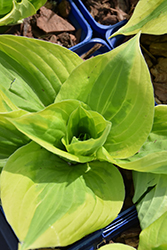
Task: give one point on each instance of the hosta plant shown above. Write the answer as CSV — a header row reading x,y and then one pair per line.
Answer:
x,y
14,11
64,122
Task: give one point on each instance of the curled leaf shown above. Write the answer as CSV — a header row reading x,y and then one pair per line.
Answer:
x,y
149,17
87,131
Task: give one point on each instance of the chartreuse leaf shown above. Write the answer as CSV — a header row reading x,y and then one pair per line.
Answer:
x,y
14,11
121,92
149,17
50,203
152,155
10,137
150,195
154,237
32,71
116,246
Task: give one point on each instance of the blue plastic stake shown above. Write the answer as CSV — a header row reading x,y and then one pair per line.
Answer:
x,y
78,21
83,48
99,29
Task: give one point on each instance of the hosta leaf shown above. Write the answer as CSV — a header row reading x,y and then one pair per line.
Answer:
x,y
51,203
48,127
10,137
32,71
5,103
152,156
117,85
116,246
149,17
87,131
5,6
18,10
154,237
151,194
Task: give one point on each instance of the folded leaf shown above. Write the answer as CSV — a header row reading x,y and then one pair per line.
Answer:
x,y
18,10
150,195
32,71
121,92
154,237
51,203
152,155
149,17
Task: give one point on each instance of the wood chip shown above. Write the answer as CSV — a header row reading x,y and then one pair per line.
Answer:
x,y
50,22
